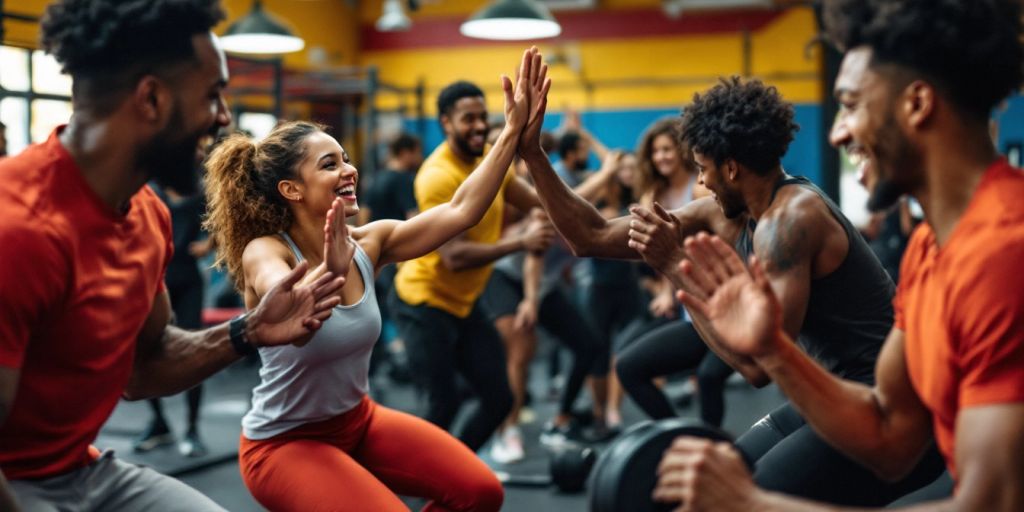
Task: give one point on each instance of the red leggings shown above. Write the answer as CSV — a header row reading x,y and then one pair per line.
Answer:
x,y
359,460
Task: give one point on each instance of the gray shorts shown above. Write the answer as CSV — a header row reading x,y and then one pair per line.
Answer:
x,y
110,484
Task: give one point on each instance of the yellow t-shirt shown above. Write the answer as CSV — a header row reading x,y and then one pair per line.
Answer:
x,y
425,280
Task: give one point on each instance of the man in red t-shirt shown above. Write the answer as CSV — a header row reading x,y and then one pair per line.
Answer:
x,y
918,83
83,247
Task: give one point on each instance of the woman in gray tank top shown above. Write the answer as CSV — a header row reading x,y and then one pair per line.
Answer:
x,y
314,440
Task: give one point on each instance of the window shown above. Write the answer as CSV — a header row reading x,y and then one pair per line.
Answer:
x,y
34,96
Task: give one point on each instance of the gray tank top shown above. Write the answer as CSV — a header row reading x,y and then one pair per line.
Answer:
x,y
849,312
326,377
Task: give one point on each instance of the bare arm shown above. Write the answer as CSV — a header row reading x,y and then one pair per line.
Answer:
x,y
579,222
991,474
533,271
430,229
169,360
596,183
885,428
462,254
426,232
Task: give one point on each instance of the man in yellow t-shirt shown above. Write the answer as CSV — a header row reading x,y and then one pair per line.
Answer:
x,y
435,299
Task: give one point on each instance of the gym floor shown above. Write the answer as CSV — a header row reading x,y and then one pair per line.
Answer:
x,y
226,397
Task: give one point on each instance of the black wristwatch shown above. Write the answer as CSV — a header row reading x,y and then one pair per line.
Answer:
x,y
236,331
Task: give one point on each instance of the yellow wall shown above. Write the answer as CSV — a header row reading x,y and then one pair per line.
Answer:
x,y
370,10
633,73
327,24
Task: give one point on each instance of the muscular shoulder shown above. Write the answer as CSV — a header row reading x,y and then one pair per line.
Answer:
x,y
266,248
793,229
706,215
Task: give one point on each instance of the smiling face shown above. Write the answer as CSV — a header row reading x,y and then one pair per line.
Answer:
x,y
868,128
721,182
665,155
199,111
628,168
465,127
325,174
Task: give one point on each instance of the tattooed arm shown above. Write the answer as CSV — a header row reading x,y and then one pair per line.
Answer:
x,y
787,241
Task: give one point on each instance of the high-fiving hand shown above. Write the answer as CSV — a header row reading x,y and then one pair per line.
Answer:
x,y
740,303
526,101
338,247
537,89
292,314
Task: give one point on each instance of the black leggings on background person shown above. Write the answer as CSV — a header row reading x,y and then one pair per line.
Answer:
x,y
561,318
441,347
673,348
792,459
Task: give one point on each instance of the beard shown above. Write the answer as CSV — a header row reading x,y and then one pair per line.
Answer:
x,y
732,205
171,158
463,145
895,160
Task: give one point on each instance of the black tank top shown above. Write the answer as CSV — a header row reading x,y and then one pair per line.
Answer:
x,y
849,312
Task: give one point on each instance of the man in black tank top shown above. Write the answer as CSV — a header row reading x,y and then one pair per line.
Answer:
x,y
835,296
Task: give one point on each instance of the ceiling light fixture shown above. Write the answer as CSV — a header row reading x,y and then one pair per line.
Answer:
x,y
393,17
260,32
511,20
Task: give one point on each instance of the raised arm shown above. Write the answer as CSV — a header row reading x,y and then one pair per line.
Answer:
x,y
400,241
579,222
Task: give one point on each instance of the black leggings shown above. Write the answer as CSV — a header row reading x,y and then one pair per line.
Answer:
x,y
672,348
792,459
561,318
440,345
187,305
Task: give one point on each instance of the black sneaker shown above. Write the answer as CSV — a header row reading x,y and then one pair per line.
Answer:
x,y
192,446
600,433
156,435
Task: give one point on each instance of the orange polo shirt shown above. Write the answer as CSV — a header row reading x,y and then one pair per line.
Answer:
x,y
962,307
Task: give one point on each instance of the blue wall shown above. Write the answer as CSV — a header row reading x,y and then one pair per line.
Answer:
x,y
1011,123
623,129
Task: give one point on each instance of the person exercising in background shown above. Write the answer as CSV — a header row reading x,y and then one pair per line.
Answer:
x,y
836,296
435,302
185,288
917,84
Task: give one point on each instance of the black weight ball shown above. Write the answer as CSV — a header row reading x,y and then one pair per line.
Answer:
x,y
571,465
626,472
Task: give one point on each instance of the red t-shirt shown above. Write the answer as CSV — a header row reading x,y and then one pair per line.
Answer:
x,y
962,307
77,282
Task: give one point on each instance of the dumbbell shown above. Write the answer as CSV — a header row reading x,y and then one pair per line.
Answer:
x,y
626,472
568,468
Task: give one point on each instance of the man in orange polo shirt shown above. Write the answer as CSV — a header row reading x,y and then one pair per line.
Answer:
x,y
83,249
917,86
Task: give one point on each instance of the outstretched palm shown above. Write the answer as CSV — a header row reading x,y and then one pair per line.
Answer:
x,y
292,314
740,304
338,248
525,103
534,84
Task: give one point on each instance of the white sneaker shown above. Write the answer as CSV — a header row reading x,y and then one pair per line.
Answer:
x,y
507,447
